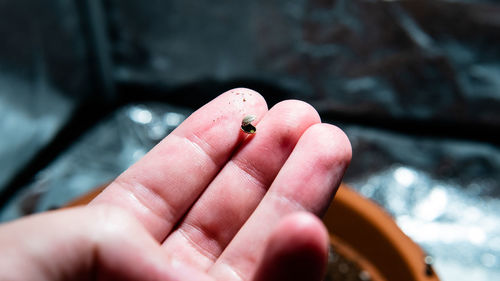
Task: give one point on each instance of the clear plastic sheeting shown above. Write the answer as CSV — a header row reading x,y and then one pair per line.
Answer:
x,y
460,230
444,194
31,113
96,158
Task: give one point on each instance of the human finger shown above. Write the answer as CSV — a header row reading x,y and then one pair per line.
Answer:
x,y
307,182
297,250
238,188
160,187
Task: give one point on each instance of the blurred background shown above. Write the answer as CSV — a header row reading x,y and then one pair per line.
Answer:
x,y
88,87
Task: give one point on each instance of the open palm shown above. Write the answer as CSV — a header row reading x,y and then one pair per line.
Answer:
x,y
210,202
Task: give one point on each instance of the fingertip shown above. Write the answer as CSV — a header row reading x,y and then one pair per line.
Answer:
x,y
223,114
248,96
297,250
299,109
333,143
284,124
304,231
304,225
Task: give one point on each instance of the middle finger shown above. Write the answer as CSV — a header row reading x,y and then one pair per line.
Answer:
x,y
238,188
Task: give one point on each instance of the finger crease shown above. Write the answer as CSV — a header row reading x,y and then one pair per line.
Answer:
x,y
256,175
199,248
297,205
145,196
236,275
203,147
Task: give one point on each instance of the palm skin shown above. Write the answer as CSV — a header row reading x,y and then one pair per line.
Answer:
x,y
209,202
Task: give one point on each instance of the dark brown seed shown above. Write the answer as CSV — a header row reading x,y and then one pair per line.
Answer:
x,y
248,128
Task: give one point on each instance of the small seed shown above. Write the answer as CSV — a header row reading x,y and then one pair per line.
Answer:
x,y
248,119
246,125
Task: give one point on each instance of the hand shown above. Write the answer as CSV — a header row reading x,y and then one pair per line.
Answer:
x,y
209,202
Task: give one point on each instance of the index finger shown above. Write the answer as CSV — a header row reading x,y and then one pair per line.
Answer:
x,y
161,187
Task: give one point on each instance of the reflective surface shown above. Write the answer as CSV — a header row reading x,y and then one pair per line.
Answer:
x,y
96,158
444,194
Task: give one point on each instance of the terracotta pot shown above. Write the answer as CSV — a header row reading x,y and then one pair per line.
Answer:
x,y
86,198
365,234
370,237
